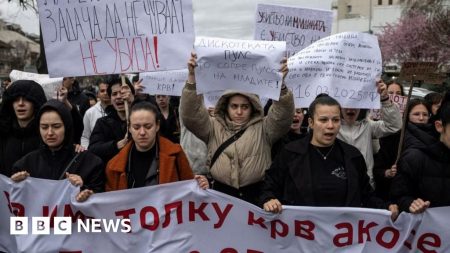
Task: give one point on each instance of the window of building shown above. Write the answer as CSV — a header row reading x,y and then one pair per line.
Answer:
x,y
349,8
390,2
380,2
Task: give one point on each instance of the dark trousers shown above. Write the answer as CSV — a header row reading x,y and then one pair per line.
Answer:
x,y
249,193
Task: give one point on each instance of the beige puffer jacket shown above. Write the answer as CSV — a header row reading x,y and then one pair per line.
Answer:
x,y
243,162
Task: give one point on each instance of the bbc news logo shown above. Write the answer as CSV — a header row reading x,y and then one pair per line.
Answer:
x,y
63,225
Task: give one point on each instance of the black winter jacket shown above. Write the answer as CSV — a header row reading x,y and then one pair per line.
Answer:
x,y
289,177
47,164
15,141
107,132
423,170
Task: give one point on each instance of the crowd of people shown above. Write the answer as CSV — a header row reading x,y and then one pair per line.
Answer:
x,y
122,138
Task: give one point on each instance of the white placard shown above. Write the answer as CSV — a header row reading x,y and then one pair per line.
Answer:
x,y
164,82
48,84
210,98
243,65
344,65
100,37
299,27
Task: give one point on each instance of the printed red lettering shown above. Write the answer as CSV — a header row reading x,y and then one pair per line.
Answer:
x,y
364,230
274,229
178,206
222,215
143,218
394,238
304,229
251,220
435,242
346,238
199,211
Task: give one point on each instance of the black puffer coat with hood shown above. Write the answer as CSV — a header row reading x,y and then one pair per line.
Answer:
x,y
16,141
424,169
48,164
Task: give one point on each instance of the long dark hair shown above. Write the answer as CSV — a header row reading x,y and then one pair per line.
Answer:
x,y
413,103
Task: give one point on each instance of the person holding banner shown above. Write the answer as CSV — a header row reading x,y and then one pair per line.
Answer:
x,y
423,178
148,159
75,96
57,158
110,133
319,169
359,131
239,137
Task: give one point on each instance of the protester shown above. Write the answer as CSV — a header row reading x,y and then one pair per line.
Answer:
x,y
434,99
97,111
195,149
169,122
6,83
423,178
241,166
294,133
56,158
92,98
148,159
75,95
385,169
394,88
319,169
18,122
360,132
110,133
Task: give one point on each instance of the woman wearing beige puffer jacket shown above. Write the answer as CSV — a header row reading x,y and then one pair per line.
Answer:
x,y
240,168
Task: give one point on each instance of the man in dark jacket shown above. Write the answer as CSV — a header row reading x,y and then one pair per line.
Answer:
x,y
18,125
110,132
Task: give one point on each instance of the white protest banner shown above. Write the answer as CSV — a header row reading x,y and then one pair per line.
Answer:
x,y
344,65
400,101
48,84
83,38
243,65
299,27
180,217
210,99
164,82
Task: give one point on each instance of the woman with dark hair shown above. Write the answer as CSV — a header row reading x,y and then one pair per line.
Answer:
x,y
395,88
148,159
418,114
56,158
423,178
320,170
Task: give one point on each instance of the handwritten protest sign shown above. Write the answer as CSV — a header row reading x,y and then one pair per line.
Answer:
x,y
299,27
344,65
164,82
115,36
48,84
400,101
244,65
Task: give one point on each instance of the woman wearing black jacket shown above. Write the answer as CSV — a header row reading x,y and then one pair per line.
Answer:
x,y
319,169
423,179
56,158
